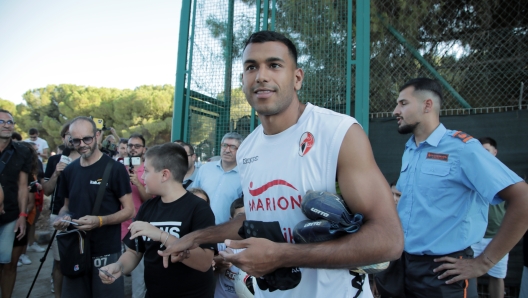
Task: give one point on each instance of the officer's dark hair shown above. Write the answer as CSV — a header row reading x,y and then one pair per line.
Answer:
x,y
124,141
170,156
33,131
393,183
191,149
87,119
265,36
425,84
16,136
137,136
238,203
488,140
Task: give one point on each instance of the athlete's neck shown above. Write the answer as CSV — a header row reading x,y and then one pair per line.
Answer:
x,y
274,124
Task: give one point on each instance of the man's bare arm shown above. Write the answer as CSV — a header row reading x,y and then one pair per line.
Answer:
x,y
214,234
365,191
49,186
22,203
513,226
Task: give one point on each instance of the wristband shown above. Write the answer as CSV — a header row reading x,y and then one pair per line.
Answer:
x,y
23,214
100,221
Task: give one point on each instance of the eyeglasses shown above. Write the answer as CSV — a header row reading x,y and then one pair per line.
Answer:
x,y
8,122
232,147
86,140
137,146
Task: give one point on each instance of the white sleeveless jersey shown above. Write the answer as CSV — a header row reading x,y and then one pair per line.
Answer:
x,y
276,172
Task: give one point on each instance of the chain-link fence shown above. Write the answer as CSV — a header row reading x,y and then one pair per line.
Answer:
x,y
478,48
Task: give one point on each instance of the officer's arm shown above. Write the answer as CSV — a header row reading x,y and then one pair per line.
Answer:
x,y
513,226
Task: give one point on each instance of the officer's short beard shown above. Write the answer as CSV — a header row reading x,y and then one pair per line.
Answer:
x,y
408,128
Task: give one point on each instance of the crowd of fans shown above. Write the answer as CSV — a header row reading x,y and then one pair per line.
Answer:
x,y
151,211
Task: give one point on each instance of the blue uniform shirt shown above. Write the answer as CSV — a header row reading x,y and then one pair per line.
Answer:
x,y
221,187
447,184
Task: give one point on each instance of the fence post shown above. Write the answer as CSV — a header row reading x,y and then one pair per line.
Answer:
x,y
178,109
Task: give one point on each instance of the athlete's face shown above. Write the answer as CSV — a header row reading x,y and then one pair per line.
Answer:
x,y
407,111
270,78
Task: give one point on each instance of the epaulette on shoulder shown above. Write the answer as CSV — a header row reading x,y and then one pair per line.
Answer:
x,y
462,136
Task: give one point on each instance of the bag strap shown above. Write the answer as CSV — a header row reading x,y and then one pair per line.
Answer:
x,y
5,158
102,187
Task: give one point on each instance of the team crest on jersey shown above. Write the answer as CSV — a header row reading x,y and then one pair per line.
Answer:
x,y
306,143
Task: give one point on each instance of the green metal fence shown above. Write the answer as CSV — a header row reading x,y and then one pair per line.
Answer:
x,y
355,54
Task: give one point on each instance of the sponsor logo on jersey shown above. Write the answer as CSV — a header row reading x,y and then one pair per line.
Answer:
x,y
257,191
249,160
288,198
96,182
306,143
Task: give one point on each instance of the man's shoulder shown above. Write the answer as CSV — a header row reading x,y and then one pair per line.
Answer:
x,y
21,149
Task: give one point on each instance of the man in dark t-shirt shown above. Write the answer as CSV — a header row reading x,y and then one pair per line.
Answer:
x,y
14,180
173,214
80,182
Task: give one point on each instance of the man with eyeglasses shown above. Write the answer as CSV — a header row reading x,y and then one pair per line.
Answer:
x,y
136,148
15,164
220,179
192,171
42,145
80,182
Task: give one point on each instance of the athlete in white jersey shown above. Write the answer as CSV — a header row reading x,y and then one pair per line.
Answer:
x,y
298,148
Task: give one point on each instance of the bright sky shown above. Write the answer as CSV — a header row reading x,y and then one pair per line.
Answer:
x,y
120,44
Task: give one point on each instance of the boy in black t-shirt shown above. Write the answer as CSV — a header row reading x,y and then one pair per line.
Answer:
x,y
173,214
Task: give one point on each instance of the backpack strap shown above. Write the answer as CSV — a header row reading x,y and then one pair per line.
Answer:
x,y
102,187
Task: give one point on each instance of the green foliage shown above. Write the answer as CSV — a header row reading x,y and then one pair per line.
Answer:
x,y
146,110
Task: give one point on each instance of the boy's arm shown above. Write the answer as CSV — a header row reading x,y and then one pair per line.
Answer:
x,y
199,258
214,234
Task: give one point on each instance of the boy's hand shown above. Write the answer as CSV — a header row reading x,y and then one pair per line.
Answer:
x,y
141,228
114,269
178,250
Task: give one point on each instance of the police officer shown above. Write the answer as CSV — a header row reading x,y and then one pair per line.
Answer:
x,y
447,181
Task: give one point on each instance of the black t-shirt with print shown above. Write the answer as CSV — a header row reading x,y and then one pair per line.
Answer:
x,y
80,185
181,217
20,161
